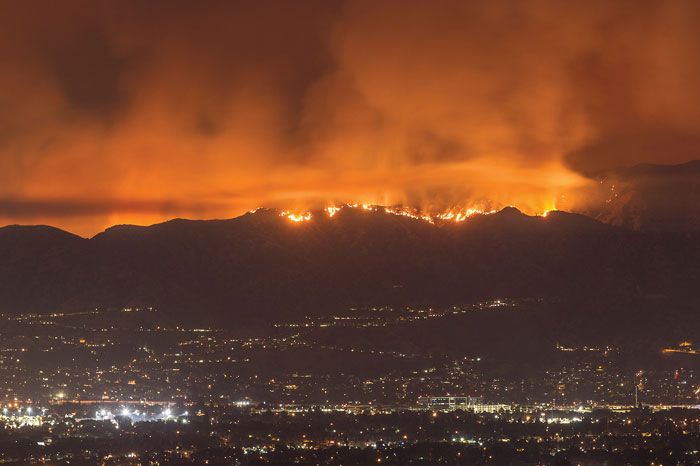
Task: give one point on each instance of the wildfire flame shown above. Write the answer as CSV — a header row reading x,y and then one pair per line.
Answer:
x,y
450,215
296,217
407,213
460,216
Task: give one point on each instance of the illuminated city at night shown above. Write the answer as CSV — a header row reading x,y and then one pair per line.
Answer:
x,y
350,232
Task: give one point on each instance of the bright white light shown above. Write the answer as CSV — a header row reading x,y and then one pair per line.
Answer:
x,y
125,412
166,413
29,410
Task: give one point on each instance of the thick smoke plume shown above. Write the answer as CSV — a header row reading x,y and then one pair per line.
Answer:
x,y
140,111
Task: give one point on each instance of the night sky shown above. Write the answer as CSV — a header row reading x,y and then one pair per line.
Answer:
x,y
137,112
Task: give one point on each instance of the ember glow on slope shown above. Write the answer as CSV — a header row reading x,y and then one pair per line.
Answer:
x,y
134,112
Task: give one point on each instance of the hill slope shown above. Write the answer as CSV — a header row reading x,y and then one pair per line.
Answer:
x,y
261,266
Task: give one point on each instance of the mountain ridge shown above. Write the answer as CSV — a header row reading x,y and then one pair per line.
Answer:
x,y
644,197
262,266
275,213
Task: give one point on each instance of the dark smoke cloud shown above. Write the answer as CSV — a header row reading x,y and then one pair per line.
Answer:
x,y
209,109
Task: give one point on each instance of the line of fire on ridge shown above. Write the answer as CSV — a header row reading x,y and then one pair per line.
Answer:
x,y
448,215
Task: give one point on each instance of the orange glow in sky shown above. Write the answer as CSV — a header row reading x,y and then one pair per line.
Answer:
x,y
127,113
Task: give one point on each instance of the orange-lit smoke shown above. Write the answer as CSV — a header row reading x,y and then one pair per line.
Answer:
x,y
138,112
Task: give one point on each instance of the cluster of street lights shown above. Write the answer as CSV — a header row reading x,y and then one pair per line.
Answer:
x,y
28,411
126,412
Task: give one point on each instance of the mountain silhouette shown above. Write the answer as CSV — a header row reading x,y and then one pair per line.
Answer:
x,y
262,267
